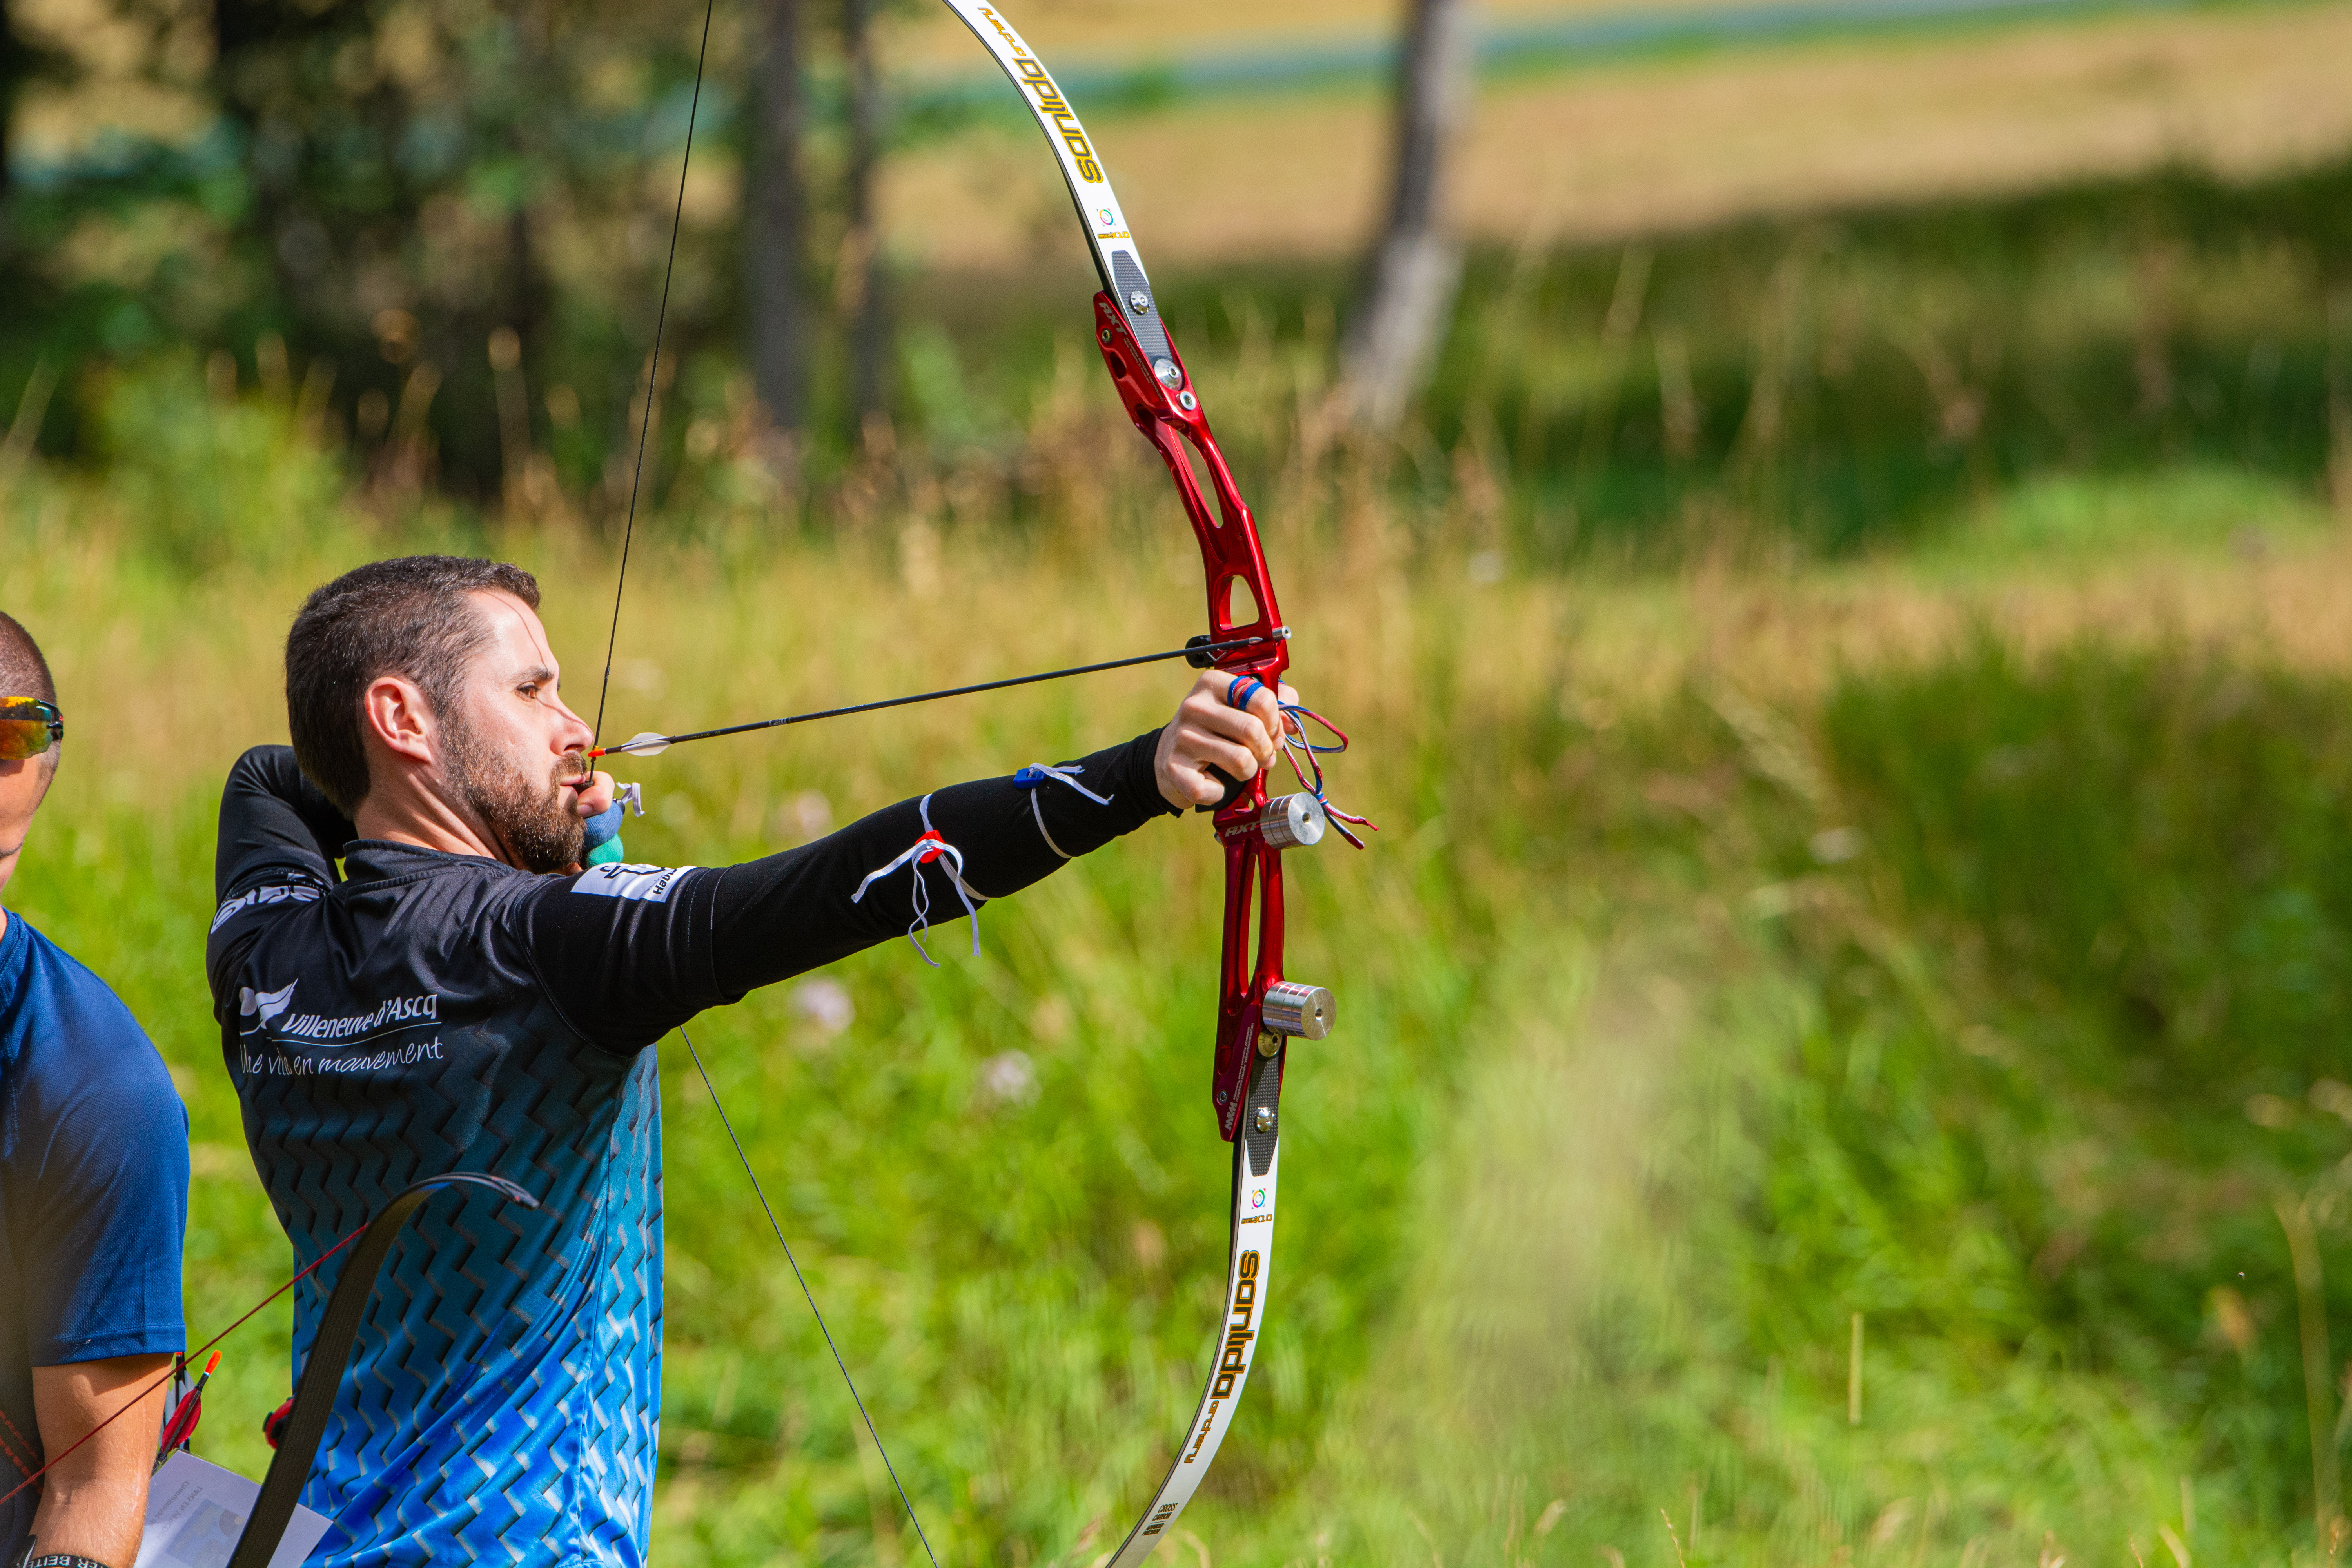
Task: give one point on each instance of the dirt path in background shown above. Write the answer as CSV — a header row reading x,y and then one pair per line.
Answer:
x,y
1575,156
1672,144
1066,31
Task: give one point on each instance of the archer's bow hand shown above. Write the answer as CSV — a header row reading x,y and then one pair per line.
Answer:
x,y
1209,733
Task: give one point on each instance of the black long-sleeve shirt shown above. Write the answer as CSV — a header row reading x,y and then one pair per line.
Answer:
x,y
646,948
427,1012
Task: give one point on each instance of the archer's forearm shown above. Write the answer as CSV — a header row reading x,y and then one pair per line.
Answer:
x,y
627,952
788,914
94,1503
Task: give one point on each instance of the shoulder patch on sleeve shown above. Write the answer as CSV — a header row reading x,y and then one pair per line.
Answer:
x,y
270,893
643,884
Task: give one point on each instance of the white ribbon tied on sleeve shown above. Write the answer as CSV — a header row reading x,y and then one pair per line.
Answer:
x,y
930,847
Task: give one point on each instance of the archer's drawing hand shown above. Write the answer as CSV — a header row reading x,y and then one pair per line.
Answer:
x,y
594,797
1206,733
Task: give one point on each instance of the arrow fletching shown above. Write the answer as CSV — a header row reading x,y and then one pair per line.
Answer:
x,y
649,744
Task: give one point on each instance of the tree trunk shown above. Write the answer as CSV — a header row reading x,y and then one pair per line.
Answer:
x,y
776,214
23,63
1417,266
861,252
522,295
17,66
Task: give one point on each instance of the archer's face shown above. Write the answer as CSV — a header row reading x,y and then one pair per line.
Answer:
x,y
514,751
22,784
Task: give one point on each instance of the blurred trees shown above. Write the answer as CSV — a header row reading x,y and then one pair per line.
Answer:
x,y
442,232
389,164
450,224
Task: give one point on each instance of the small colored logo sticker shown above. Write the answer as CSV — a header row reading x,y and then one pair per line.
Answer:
x,y
1107,220
1258,1197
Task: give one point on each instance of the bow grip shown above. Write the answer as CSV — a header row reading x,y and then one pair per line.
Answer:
x,y
1234,790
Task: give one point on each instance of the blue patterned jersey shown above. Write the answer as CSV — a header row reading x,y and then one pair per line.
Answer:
x,y
425,1013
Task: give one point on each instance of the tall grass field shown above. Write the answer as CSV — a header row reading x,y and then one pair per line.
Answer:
x,y
1842,1048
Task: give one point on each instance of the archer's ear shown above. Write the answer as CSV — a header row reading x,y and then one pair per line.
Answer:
x,y
396,721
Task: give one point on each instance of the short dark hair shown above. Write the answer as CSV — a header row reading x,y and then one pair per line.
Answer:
x,y
406,616
23,671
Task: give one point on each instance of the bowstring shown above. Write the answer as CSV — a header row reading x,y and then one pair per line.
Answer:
x,y
653,371
801,1280
604,688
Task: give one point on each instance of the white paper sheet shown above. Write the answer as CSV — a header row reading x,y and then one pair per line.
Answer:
x,y
195,1510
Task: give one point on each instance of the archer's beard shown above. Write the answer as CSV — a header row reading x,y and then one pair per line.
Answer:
x,y
531,820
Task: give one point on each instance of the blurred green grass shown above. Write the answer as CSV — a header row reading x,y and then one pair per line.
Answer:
x,y
1674,1035
1715,979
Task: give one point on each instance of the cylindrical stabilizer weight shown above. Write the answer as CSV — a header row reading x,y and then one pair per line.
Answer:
x,y
1292,821
1302,1012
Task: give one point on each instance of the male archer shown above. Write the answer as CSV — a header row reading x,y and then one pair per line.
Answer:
x,y
465,996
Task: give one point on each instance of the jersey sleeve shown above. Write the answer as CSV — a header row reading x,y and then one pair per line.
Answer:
x,y
279,839
273,819
923,862
630,951
100,1177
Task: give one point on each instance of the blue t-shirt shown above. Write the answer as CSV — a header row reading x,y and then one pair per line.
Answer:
x,y
93,1192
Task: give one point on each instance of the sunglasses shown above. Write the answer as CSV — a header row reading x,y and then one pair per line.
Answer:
x,y
28,727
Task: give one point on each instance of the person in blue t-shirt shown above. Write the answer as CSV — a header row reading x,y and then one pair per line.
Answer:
x,y
93,1205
